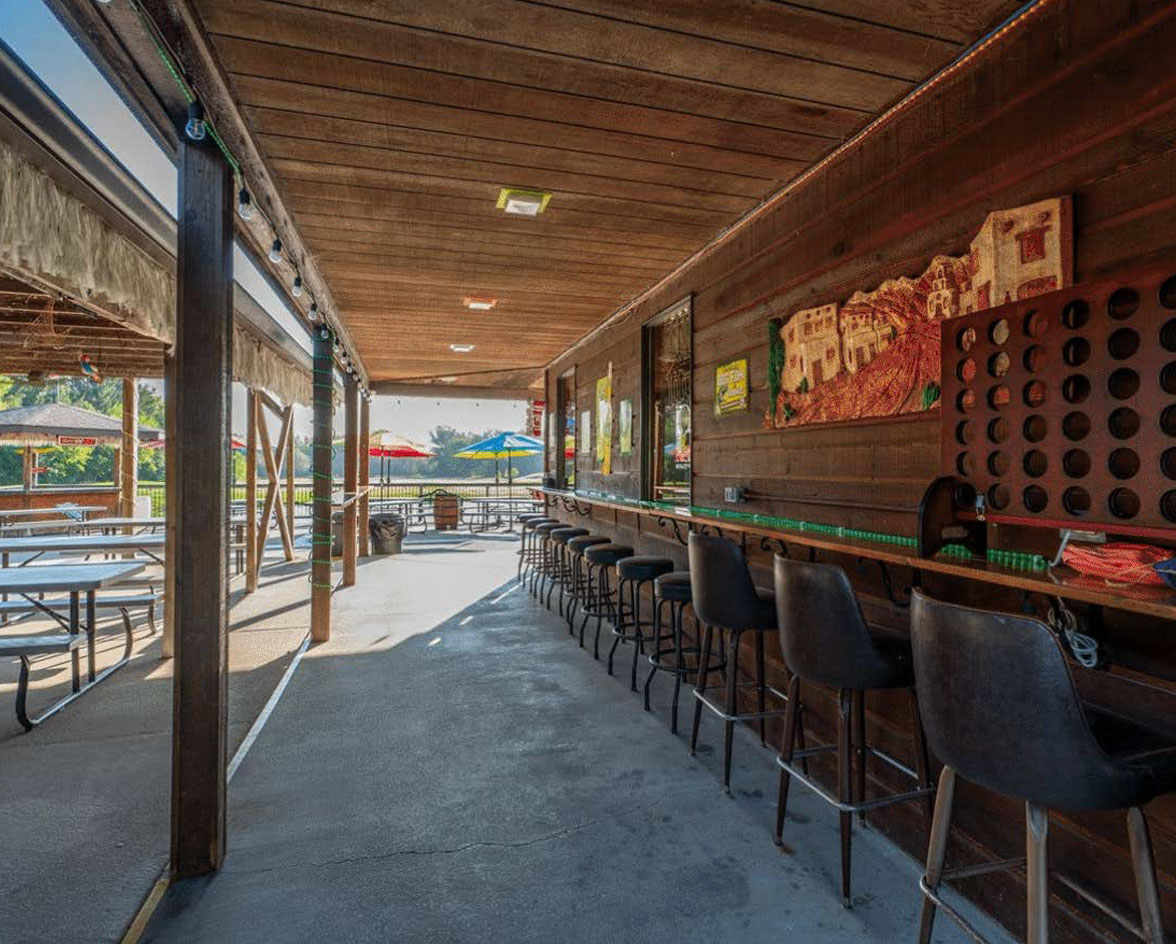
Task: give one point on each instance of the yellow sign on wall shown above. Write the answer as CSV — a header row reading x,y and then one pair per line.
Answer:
x,y
604,424
731,387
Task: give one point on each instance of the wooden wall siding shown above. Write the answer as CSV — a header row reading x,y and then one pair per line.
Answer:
x,y
391,127
1078,102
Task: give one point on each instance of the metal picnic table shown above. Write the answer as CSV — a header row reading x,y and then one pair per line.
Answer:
x,y
74,579
486,513
150,544
67,510
86,525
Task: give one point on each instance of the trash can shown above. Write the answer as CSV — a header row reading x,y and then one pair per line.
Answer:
x,y
387,533
446,511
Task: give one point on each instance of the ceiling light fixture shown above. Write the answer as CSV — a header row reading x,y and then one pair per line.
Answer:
x,y
523,202
275,253
474,303
461,348
194,128
244,205
296,290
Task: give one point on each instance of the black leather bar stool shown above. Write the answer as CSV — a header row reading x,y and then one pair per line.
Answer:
x,y
672,590
726,599
1001,710
579,588
542,566
529,545
632,574
601,601
560,565
825,640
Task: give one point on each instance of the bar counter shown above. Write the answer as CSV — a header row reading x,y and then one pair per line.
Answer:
x,y
889,550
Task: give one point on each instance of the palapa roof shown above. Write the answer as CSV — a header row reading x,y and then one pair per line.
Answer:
x,y
42,423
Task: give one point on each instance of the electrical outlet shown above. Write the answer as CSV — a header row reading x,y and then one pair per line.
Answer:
x,y
733,494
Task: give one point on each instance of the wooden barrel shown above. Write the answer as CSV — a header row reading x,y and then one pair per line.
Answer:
x,y
446,511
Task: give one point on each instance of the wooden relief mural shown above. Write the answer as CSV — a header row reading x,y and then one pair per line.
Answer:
x,y
879,353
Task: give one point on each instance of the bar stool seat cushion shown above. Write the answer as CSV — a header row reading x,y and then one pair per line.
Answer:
x,y
563,535
607,554
644,568
535,522
579,545
546,527
529,516
673,586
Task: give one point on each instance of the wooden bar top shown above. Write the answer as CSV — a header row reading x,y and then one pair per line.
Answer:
x,y
1058,582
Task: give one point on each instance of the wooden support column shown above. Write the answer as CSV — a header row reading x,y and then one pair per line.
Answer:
x,y
253,553
365,469
350,481
128,480
29,460
290,474
200,431
320,526
170,507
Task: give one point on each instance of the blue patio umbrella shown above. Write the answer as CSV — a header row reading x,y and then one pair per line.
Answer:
x,y
502,446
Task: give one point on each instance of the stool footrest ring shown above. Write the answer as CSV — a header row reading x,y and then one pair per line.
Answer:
x,y
750,716
861,806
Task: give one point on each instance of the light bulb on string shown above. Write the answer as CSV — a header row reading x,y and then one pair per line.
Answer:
x,y
245,207
194,129
296,288
275,253
313,314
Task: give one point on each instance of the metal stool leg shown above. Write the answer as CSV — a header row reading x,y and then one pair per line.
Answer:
x,y
845,788
729,725
639,642
703,667
1037,872
657,611
936,851
787,750
1151,919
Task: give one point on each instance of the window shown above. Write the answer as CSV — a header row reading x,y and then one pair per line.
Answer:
x,y
668,371
565,417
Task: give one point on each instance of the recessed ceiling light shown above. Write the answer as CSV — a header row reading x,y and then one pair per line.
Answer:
x,y
523,202
474,303
461,348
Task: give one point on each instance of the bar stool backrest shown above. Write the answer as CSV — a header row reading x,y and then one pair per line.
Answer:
x,y
721,584
823,636
999,706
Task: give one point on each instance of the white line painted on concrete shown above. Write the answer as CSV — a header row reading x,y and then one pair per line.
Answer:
x,y
503,596
270,705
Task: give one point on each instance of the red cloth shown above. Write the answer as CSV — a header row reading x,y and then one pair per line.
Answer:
x,y
1118,562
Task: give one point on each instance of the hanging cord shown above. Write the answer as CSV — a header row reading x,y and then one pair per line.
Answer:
x,y
1082,647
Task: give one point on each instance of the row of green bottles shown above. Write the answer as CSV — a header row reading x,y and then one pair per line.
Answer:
x,y
1017,560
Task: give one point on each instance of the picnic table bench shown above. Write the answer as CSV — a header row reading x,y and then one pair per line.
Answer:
x,y
150,544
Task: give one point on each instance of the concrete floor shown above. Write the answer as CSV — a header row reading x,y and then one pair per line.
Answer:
x,y
452,768
85,797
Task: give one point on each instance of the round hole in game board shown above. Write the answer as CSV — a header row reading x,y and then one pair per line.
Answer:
x,y
1076,500
1168,378
998,364
1168,505
1168,463
1076,463
999,397
1168,336
998,463
998,430
966,338
1123,503
964,465
1034,358
1123,423
998,497
1123,383
1123,343
1035,463
966,401
964,496
1035,324
966,370
1075,388
1122,303
1075,314
965,432
1035,499
1076,426
1034,393
1076,351
1168,421
1123,463
1035,428
998,331
1167,293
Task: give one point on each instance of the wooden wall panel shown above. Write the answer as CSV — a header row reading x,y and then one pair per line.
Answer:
x,y
1080,101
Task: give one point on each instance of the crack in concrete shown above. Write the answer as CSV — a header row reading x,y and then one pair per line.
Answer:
x,y
396,853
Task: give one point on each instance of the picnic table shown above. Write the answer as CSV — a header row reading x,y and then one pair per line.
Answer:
x,y
151,545
415,511
87,524
67,510
484,514
74,580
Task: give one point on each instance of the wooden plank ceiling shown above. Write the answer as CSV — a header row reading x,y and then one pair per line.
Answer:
x,y
391,125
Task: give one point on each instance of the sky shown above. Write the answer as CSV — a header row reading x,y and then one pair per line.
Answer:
x,y
37,37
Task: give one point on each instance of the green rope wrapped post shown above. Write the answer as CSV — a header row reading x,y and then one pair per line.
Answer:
x,y
323,422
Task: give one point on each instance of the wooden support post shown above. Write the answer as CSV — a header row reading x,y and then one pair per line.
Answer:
x,y
170,507
253,553
365,469
128,482
272,505
320,526
29,460
350,467
290,473
200,431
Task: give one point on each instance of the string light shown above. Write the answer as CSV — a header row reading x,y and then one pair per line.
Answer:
x,y
245,208
313,314
195,128
275,253
296,289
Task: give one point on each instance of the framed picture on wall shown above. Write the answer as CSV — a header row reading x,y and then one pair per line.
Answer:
x,y
732,389
625,427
